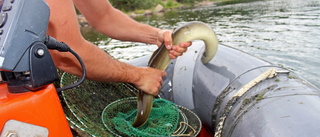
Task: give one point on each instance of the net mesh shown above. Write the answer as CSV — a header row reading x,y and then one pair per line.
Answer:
x,y
108,109
84,104
119,116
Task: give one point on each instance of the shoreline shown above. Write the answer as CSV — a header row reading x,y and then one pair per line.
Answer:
x,y
157,10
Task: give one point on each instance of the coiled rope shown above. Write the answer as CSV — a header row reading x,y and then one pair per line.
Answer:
x,y
270,73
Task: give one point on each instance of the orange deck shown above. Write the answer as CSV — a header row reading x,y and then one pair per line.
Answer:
x,y
40,108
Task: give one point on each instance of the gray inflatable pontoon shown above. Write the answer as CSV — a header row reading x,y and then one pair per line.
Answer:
x,y
237,94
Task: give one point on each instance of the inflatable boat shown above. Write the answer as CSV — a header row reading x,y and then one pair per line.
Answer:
x,y
237,94
234,94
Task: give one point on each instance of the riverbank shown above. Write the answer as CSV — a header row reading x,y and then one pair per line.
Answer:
x,y
157,10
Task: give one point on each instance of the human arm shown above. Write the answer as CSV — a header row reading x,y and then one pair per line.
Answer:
x,y
109,21
100,66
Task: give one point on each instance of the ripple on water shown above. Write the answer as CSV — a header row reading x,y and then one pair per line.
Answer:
x,y
285,32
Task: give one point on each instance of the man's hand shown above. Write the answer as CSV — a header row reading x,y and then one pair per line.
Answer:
x,y
150,80
174,50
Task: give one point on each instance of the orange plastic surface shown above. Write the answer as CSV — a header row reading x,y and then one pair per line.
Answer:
x,y
204,132
40,108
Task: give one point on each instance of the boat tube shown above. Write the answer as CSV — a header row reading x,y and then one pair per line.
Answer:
x,y
234,94
237,94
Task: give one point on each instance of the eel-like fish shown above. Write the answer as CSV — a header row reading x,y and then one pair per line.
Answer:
x,y
160,60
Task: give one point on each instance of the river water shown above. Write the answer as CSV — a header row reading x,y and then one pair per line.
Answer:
x,y
284,32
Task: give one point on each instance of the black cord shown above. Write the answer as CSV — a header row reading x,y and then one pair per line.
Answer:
x,y
52,43
83,77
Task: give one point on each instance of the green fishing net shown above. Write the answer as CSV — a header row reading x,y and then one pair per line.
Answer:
x,y
88,110
84,104
163,120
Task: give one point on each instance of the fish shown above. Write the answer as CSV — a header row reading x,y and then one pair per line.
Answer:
x,y
160,59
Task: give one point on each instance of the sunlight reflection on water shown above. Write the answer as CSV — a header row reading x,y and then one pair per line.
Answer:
x,y
285,32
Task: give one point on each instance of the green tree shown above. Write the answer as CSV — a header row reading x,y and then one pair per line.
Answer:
x,y
188,1
130,5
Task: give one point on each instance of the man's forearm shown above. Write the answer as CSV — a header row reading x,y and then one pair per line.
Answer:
x,y
115,24
102,67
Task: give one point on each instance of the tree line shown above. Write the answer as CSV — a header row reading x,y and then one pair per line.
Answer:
x,y
131,5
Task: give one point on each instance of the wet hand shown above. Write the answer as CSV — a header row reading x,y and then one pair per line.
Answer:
x,y
178,50
174,50
150,80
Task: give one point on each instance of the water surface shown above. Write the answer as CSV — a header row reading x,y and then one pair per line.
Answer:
x,y
284,32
